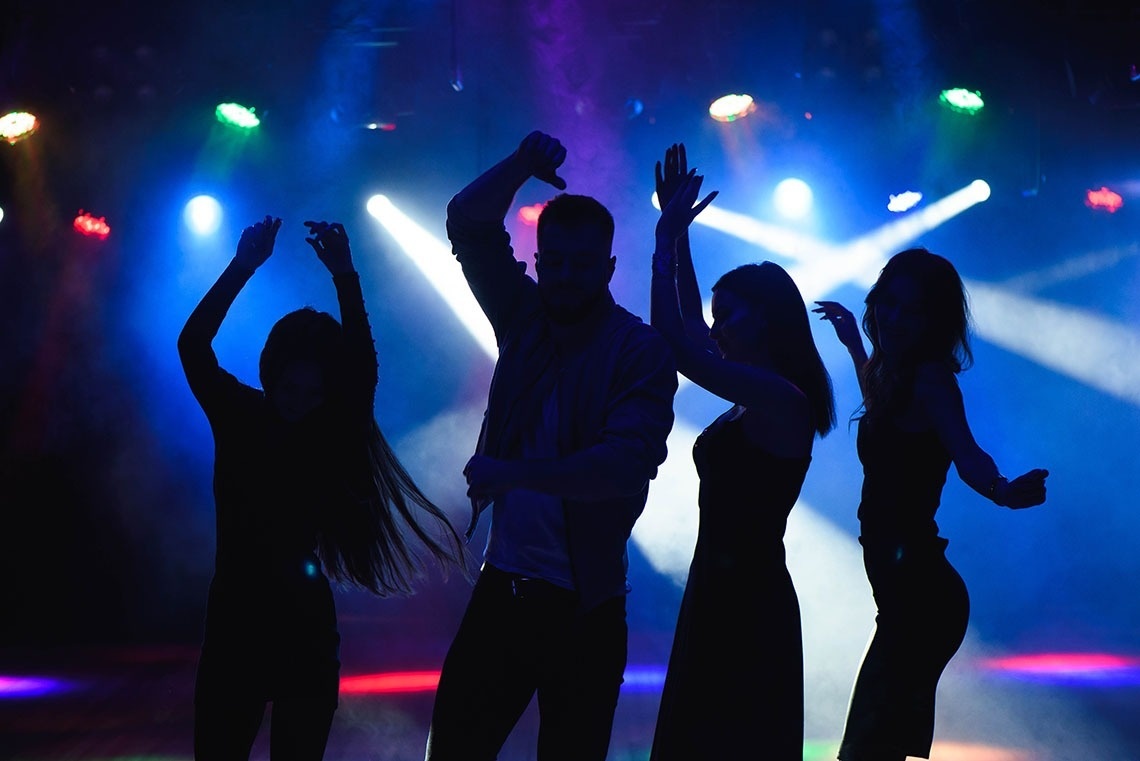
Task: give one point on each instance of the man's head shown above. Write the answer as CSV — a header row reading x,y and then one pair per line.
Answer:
x,y
574,262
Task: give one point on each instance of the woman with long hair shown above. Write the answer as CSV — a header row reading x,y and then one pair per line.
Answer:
x,y
304,485
734,687
912,426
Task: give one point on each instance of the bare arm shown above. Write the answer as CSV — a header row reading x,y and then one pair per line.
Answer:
x,y
669,178
847,330
937,392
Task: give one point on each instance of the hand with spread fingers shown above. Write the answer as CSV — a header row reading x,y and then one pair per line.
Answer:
x,y
256,243
672,175
845,324
330,241
679,213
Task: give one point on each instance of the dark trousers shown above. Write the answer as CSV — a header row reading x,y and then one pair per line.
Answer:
x,y
923,611
519,637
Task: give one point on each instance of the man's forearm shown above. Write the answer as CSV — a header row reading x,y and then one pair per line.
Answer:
x,y
489,196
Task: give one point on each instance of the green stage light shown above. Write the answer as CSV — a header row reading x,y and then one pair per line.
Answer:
x,y
236,115
962,100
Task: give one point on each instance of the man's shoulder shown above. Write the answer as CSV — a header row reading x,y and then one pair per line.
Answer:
x,y
634,334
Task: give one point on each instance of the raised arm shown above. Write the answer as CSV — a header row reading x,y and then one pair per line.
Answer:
x,y
195,341
330,242
475,225
751,386
847,330
936,390
668,180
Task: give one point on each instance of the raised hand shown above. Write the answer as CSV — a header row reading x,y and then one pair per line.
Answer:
x,y
679,213
330,241
541,155
672,175
256,243
1024,491
845,324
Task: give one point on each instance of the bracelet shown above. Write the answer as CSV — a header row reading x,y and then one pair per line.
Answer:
x,y
992,491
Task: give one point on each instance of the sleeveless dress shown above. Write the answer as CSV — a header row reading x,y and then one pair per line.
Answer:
x,y
922,603
734,688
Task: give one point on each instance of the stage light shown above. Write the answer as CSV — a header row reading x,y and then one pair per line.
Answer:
x,y
1,213
729,108
433,258
793,198
529,215
961,100
15,687
203,215
1101,669
17,125
236,115
1104,199
92,227
389,683
904,201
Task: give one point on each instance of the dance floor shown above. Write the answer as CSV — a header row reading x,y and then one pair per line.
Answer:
x,y
135,703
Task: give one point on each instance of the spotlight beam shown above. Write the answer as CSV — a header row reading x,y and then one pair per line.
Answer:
x,y
433,258
822,266
1098,352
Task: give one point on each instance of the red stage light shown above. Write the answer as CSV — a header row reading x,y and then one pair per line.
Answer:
x,y
1103,199
1054,663
87,224
528,215
389,683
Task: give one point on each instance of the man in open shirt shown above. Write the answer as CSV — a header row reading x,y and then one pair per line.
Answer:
x,y
580,405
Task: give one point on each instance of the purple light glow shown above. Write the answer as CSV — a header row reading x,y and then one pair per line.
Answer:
x,y
19,687
1069,669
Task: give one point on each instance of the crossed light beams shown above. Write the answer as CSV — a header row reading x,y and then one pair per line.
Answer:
x,y
822,267
1096,351
826,563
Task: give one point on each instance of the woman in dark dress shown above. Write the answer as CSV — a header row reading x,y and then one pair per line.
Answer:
x,y
734,687
304,485
912,427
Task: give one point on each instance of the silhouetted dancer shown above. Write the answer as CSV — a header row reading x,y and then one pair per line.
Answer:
x,y
580,405
913,424
304,483
735,685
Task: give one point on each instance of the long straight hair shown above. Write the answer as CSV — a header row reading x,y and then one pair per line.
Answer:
x,y
373,502
768,288
945,335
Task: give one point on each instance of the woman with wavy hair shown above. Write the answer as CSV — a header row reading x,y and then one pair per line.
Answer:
x,y
912,426
735,684
304,485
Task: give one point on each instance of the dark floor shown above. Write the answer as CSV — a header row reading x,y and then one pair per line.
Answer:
x,y
134,703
